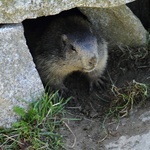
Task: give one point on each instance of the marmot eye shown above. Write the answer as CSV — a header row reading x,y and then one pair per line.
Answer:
x,y
73,48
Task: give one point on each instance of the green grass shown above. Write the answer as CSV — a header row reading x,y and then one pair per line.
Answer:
x,y
125,98
38,126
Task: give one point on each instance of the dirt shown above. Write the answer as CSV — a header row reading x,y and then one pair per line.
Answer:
x,y
86,129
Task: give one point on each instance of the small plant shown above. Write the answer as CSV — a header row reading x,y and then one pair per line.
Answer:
x,y
125,98
37,128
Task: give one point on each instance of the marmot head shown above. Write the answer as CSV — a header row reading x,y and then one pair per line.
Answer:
x,y
80,50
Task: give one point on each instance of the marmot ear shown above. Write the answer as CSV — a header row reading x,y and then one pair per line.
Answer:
x,y
64,39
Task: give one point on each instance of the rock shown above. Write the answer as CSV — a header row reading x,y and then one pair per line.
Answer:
x,y
19,80
15,11
136,142
118,25
133,133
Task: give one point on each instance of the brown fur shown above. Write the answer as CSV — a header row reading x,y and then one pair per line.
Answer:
x,y
67,45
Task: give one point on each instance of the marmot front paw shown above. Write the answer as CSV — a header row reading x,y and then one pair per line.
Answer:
x,y
98,83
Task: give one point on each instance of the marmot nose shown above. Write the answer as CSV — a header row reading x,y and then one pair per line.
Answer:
x,y
92,61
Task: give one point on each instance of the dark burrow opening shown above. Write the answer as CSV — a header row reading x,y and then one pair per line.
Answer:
x,y
142,10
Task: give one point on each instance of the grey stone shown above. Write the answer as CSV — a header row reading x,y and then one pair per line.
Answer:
x,y
118,25
134,133
19,80
137,142
15,11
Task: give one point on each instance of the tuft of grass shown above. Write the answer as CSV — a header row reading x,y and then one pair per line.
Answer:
x,y
133,54
37,128
125,98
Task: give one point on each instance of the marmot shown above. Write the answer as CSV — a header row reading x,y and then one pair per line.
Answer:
x,y
69,44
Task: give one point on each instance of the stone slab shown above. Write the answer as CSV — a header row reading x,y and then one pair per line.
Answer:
x,y
133,132
16,11
19,80
118,25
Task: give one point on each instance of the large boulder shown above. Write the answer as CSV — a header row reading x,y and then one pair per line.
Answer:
x,y
118,25
15,11
19,80
133,132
